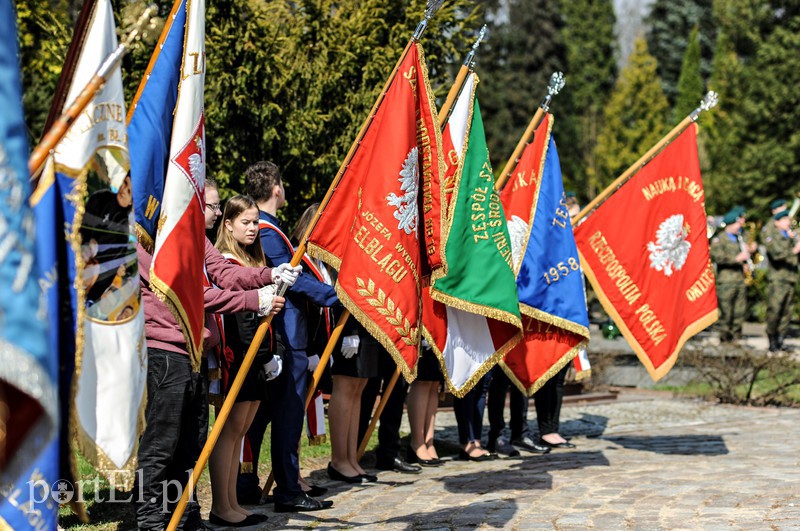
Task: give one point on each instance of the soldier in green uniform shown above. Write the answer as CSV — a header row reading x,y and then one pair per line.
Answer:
x,y
782,249
768,231
731,258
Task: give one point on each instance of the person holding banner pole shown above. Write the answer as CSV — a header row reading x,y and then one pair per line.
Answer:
x,y
237,241
177,406
287,393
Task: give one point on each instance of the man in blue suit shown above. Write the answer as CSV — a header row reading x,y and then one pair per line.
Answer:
x,y
285,404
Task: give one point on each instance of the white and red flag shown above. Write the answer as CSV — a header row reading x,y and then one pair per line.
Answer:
x,y
471,313
176,275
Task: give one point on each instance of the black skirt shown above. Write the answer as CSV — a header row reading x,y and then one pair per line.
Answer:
x,y
365,364
428,367
254,383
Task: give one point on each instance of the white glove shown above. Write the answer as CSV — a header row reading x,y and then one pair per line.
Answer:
x,y
313,362
286,273
425,343
266,295
273,368
350,346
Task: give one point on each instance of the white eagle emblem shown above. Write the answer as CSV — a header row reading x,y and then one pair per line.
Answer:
x,y
668,253
406,212
518,232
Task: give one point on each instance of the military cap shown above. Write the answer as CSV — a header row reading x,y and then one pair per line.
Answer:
x,y
781,214
777,204
569,194
740,210
731,216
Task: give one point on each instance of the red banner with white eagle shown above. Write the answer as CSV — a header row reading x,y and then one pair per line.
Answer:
x,y
645,250
176,274
380,229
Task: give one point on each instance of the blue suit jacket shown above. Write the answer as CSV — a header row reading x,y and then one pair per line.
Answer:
x,y
290,323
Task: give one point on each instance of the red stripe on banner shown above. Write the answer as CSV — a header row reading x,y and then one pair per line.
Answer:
x,y
178,267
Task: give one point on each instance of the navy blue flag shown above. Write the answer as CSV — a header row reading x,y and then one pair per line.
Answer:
x,y
28,369
150,119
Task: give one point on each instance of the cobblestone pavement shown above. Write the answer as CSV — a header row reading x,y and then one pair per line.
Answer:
x,y
643,461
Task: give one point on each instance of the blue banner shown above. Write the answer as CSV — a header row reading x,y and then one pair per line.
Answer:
x,y
28,368
150,127
550,277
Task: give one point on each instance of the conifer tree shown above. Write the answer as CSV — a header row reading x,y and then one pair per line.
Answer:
x,y
524,47
634,119
719,131
690,84
44,32
292,82
753,146
591,71
670,23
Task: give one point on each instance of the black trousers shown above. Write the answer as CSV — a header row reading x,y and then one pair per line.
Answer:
x,y
469,412
284,408
548,401
499,385
391,417
177,428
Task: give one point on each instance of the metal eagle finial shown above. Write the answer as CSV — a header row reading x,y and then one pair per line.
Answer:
x,y
557,82
431,9
708,102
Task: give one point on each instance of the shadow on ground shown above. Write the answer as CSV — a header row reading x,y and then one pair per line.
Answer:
x,y
588,425
673,444
527,473
493,514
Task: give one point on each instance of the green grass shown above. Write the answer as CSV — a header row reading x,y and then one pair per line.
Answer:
x,y
767,382
115,516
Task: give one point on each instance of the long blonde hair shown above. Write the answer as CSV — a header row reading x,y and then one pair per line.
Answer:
x,y
249,255
303,223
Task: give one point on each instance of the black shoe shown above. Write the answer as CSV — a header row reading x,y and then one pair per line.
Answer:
x,y
412,457
338,476
398,465
316,491
502,446
368,478
247,522
527,444
258,517
302,503
548,445
464,456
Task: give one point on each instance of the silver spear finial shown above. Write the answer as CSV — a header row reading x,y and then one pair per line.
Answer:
x,y
469,61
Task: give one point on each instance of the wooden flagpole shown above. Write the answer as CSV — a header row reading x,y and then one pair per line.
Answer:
x,y
709,101
455,90
444,114
261,331
466,68
60,127
553,88
385,394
